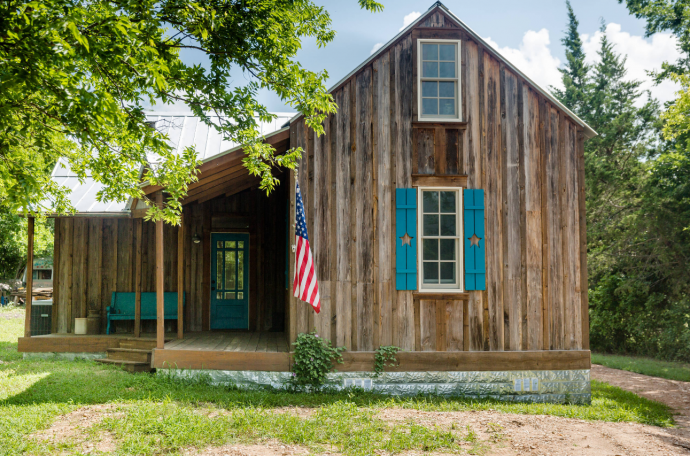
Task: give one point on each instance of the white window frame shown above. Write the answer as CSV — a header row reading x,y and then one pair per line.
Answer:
x,y
457,79
460,269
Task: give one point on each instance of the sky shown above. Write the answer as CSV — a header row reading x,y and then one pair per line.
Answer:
x,y
527,33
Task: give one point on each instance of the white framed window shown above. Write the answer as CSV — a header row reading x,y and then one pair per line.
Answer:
x,y
440,231
438,80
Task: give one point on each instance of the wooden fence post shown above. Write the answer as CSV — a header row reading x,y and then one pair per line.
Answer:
x,y
29,277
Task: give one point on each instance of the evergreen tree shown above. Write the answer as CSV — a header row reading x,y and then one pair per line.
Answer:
x,y
575,73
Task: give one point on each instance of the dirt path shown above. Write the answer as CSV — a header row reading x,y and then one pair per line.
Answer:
x,y
675,394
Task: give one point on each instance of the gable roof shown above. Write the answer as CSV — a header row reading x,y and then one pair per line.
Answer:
x,y
588,131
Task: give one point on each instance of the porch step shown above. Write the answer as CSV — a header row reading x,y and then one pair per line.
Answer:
x,y
129,366
138,344
130,354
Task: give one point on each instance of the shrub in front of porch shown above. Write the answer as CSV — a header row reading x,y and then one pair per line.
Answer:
x,y
314,358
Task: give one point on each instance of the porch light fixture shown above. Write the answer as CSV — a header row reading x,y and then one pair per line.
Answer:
x,y
196,239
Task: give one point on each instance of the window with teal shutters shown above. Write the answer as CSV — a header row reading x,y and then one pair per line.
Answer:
x,y
406,239
475,263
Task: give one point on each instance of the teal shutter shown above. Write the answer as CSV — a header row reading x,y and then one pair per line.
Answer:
x,y
406,223
475,263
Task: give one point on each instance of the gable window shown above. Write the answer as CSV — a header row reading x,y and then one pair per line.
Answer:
x,y
438,83
440,232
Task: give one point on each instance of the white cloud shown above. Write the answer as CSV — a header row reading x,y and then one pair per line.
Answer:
x,y
533,57
643,55
410,18
376,47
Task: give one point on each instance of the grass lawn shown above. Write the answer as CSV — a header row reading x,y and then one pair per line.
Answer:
x,y
155,415
647,366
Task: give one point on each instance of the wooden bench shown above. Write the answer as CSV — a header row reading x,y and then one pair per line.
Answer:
x,y
123,303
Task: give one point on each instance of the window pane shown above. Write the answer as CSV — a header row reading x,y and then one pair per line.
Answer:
x,y
429,89
448,202
447,52
430,249
240,244
219,295
219,244
219,269
448,272
430,225
430,200
430,69
229,270
229,244
446,89
447,249
430,106
430,51
447,107
447,70
229,295
430,272
240,270
240,295
447,225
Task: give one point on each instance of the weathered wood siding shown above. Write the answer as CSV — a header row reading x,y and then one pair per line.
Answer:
x,y
513,143
97,256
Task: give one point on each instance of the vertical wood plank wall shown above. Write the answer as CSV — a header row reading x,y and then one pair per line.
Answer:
x,y
522,150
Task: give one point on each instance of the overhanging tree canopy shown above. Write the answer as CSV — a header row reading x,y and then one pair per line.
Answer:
x,y
75,75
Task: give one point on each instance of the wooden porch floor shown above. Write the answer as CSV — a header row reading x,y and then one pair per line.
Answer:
x,y
232,342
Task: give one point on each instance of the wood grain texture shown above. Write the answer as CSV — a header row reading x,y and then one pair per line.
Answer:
x,y
29,275
160,278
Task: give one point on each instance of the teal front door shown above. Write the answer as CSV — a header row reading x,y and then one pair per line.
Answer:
x,y
229,281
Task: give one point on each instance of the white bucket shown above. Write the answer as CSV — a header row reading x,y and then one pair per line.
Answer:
x,y
80,326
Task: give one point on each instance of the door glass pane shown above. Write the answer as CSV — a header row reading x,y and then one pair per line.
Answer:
x,y
430,249
447,225
448,249
219,244
430,272
430,106
240,270
430,51
219,269
219,295
448,202
230,270
229,244
240,244
430,225
448,272
240,295
229,295
430,200
447,52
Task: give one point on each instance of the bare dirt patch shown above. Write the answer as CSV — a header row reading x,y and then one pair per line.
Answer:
x,y
508,434
73,427
266,449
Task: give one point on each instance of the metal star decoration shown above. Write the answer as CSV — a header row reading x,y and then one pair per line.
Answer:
x,y
406,240
474,240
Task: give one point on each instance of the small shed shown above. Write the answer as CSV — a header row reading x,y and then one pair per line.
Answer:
x,y
446,212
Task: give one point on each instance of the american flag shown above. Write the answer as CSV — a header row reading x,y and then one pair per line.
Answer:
x,y
305,284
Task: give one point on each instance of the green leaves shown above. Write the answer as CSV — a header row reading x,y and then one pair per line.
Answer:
x,y
75,75
313,360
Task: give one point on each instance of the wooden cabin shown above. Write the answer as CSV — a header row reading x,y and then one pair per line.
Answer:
x,y
446,212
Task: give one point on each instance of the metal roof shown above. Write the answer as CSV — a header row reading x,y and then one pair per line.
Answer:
x,y
183,130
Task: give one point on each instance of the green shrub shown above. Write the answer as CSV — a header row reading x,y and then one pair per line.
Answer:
x,y
314,357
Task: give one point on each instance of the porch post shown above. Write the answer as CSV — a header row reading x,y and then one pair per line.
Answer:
x,y
160,311
29,277
180,278
137,276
